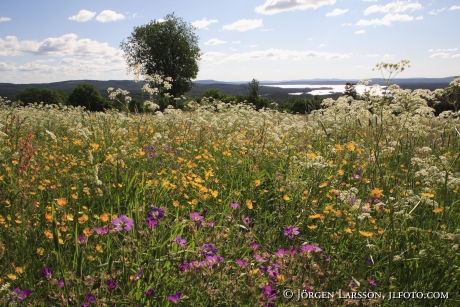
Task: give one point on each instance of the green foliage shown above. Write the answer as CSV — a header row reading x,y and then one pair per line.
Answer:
x,y
302,105
169,48
86,95
44,95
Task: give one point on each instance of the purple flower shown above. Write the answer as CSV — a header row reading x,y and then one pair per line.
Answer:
x,y
373,282
235,205
111,284
82,239
101,230
247,221
241,262
291,232
269,292
175,297
157,213
310,248
47,272
260,258
62,283
196,216
150,292
255,245
211,224
21,294
180,241
123,223
151,222
208,249
90,298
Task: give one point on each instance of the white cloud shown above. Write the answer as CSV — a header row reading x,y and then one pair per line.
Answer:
x,y
12,46
454,8
444,53
387,20
283,54
104,16
204,23
271,7
65,45
211,56
109,16
83,16
336,12
7,66
437,11
243,25
393,7
215,41
360,31
5,19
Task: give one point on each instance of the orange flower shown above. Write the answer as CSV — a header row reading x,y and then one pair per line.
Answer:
x,y
62,202
366,233
249,204
316,216
438,210
376,193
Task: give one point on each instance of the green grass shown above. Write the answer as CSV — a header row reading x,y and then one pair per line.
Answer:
x,y
378,193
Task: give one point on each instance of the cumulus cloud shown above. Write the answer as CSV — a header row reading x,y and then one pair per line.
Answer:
x,y
214,41
444,53
83,16
337,12
5,19
387,20
104,16
64,45
243,25
393,7
283,54
271,7
204,23
109,16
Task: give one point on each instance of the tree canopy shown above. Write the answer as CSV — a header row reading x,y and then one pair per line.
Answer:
x,y
168,47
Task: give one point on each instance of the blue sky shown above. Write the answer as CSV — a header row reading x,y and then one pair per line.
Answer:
x,y
55,40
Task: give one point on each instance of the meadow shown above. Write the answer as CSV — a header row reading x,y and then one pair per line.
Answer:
x,y
224,205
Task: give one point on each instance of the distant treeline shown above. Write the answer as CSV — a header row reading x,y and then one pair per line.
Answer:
x,y
93,98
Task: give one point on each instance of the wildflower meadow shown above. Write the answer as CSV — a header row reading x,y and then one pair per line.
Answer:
x,y
220,204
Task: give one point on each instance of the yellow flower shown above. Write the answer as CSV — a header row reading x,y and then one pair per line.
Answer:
x,y
366,233
349,230
249,204
99,248
12,276
62,202
438,210
104,217
339,147
48,234
427,195
83,218
376,193
286,197
323,185
19,269
258,182
316,216
312,227
40,251
351,146
340,172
